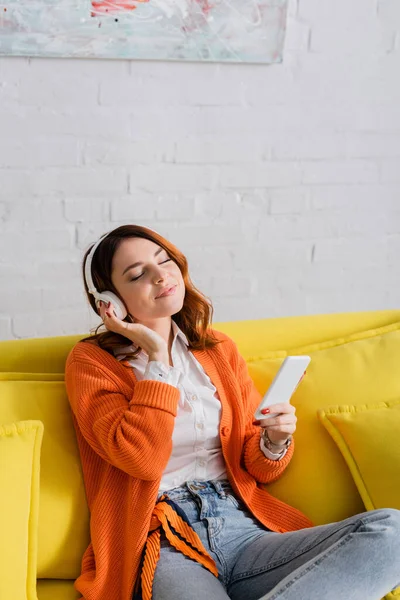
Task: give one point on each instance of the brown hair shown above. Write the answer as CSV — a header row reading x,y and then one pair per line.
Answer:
x,y
193,319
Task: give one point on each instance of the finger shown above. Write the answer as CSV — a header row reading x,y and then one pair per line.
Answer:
x,y
105,312
110,310
279,420
102,309
287,429
106,309
281,408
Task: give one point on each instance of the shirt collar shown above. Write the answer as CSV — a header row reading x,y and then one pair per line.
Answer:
x,y
178,333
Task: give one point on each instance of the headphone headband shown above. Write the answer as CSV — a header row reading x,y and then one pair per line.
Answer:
x,y
88,267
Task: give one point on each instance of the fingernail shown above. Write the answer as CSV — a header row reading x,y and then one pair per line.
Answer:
x,y
108,314
256,422
265,411
108,304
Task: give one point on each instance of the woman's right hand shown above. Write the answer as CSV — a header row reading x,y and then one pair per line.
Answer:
x,y
151,342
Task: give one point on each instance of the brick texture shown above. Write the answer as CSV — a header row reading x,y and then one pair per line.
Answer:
x,y
280,183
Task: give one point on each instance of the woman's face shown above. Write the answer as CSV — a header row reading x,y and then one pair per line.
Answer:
x,y
140,284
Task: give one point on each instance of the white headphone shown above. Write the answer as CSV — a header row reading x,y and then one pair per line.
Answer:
x,y
106,296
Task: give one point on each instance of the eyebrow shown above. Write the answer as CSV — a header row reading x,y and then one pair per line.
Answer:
x,y
137,264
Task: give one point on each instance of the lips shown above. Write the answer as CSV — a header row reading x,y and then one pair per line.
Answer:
x,y
168,292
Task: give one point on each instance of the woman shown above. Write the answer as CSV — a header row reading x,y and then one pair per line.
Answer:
x,y
172,461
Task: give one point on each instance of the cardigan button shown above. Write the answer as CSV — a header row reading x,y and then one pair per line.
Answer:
x,y
225,431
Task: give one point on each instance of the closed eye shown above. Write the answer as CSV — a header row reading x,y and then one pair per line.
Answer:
x,y
139,276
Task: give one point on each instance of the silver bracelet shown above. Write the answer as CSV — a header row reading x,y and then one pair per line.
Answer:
x,y
274,447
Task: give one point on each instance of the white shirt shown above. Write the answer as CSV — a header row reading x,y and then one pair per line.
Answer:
x,y
196,446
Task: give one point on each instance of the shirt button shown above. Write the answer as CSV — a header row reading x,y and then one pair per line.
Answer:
x,y
200,425
225,431
202,463
194,397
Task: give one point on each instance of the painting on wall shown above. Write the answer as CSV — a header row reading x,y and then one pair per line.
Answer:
x,y
196,30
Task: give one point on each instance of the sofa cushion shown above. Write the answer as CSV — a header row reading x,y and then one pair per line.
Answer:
x,y
57,589
368,438
355,369
64,517
20,444
258,338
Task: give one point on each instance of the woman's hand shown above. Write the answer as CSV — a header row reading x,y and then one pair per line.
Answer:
x,y
281,427
151,342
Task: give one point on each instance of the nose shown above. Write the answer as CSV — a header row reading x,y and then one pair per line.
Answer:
x,y
159,275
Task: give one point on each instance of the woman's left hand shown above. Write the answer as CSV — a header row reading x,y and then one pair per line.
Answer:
x,y
281,427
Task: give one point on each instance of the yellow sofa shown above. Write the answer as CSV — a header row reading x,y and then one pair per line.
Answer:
x,y
348,414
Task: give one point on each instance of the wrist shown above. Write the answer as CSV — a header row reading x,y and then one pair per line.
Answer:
x,y
160,357
275,447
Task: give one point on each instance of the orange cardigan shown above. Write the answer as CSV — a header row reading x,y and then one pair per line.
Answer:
x,y
124,431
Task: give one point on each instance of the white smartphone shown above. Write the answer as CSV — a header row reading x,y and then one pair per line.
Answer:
x,y
284,384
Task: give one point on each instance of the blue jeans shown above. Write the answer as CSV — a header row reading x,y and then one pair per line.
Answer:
x,y
354,559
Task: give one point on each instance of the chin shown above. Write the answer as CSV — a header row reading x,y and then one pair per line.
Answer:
x,y
177,307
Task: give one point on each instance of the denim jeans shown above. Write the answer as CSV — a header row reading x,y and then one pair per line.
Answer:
x,y
354,559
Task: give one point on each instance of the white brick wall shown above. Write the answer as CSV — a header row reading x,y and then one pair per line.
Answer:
x,y
280,183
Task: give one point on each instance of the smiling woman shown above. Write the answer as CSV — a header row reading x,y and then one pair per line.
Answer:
x,y
168,445
148,278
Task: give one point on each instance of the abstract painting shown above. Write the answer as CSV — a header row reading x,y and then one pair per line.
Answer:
x,y
196,30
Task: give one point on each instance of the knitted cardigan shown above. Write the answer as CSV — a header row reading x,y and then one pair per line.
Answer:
x,y
124,433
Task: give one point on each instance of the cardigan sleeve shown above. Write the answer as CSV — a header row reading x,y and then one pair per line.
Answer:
x,y
269,454
131,431
263,469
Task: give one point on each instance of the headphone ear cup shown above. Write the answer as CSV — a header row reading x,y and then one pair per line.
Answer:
x,y
119,306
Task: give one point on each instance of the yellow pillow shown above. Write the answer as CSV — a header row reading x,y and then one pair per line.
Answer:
x,y
355,369
368,438
63,531
20,445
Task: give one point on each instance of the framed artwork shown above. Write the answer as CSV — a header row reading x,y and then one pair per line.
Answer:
x,y
196,30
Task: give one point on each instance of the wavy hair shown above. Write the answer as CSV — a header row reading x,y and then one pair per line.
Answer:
x,y
195,316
